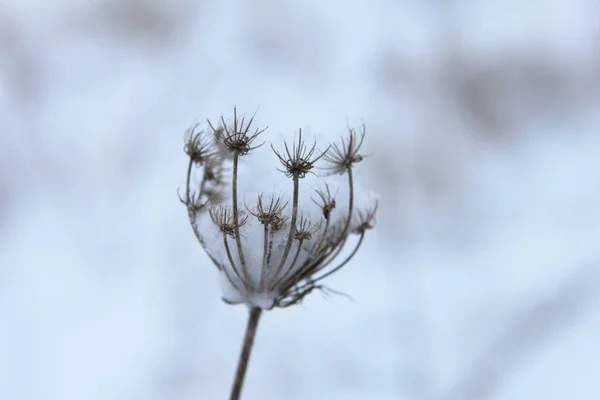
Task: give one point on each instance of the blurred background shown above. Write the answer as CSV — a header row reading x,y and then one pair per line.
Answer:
x,y
481,280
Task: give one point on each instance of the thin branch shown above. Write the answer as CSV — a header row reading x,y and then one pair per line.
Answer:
x,y
236,224
344,237
192,213
290,239
362,236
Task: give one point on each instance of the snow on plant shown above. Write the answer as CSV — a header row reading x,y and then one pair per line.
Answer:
x,y
275,250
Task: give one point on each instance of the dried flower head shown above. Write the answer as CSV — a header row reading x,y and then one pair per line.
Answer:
x,y
327,203
223,218
305,229
366,218
238,138
299,161
271,214
271,255
343,156
198,146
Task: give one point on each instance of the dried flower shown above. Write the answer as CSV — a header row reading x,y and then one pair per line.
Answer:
x,y
270,215
327,202
271,255
295,252
305,229
198,146
222,217
366,218
300,160
342,157
237,138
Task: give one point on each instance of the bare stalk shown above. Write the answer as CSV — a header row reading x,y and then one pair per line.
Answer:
x,y
342,241
290,240
360,240
230,258
236,225
265,256
192,212
293,264
238,382
188,203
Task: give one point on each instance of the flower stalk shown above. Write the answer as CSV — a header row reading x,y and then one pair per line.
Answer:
x,y
270,255
247,344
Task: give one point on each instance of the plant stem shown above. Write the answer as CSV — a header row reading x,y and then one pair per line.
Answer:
x,y
253,318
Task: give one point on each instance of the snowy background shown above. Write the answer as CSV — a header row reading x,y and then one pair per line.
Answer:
x,y
481,281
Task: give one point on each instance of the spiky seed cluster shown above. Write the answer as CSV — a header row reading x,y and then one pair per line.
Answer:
x,y
270,215
327,202
343,157
223,218
203,152
366,218
297,252
305,229
238,138
198,146
299,161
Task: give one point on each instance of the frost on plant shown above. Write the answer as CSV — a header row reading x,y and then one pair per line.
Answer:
x,y
271,250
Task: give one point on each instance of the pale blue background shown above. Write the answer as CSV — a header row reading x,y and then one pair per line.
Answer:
x,y
481,280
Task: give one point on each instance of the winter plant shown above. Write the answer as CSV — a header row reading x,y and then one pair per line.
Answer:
x,y
273,251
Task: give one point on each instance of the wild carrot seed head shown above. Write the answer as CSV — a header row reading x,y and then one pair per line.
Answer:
x,y
278,250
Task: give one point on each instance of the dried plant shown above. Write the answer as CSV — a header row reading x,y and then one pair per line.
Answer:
x,y
296,253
